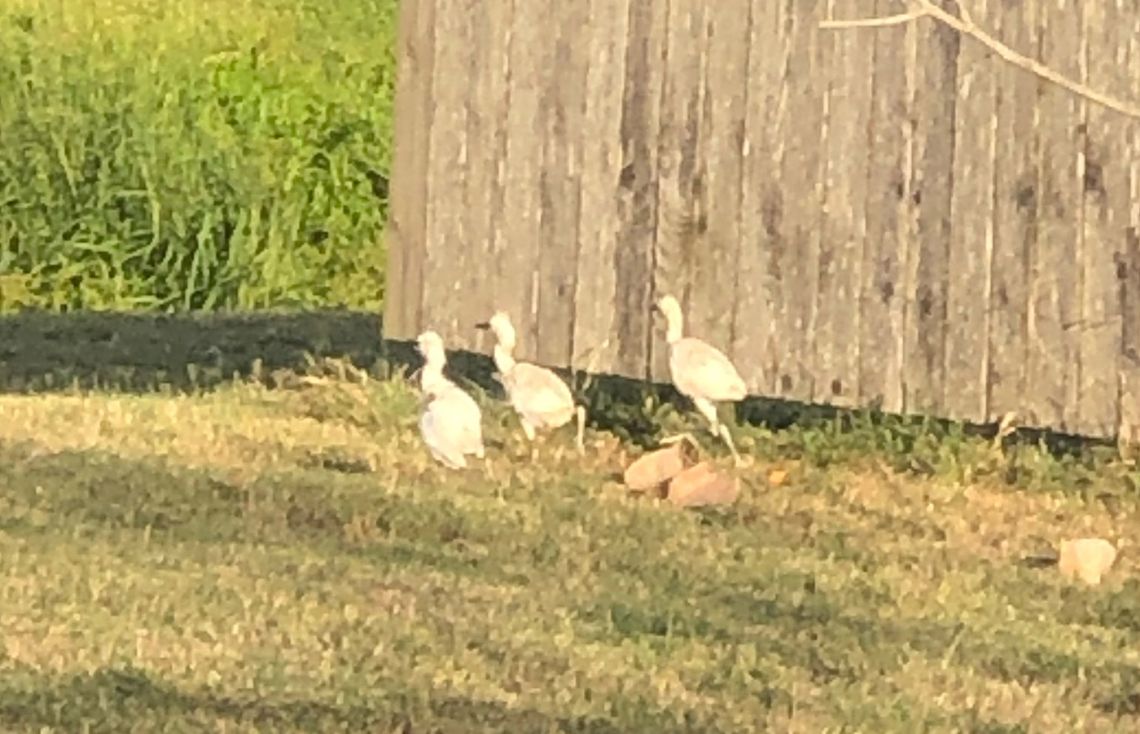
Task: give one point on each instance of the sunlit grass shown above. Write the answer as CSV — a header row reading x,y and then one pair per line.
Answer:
x,y
206,155
291,560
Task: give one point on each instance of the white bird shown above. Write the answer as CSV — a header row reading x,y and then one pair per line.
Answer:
x,y
541,399
451,423
700,371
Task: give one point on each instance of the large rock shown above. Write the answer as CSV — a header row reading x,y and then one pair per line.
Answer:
x,y
654,470
701,485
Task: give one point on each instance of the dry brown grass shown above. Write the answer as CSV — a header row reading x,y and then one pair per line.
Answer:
x,y
214,560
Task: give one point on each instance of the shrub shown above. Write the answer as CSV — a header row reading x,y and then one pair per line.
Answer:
x,y
203,155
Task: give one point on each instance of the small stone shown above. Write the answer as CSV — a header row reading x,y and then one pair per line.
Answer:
x,y
701,485
653,470
1086,558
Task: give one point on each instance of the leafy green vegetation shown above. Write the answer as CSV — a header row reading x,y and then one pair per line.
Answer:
x,y
205,155
290,559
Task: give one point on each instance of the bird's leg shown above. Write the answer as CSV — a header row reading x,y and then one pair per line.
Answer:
x,y
708,410
528,429
731,446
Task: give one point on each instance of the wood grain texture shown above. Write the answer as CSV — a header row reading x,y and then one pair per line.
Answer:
x,y
1014,216
847,103
802,87
407,208
755,348
518,262
970,266
932,188
636,201
560,183
716,275
1128,269
488,106
447,251
1054,360
596,283
682,221
890,149
1107,204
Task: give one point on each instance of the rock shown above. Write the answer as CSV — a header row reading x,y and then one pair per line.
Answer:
x,y
701,485
655,469
1086,558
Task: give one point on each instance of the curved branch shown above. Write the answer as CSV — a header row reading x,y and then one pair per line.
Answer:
x,y
963,23
884,22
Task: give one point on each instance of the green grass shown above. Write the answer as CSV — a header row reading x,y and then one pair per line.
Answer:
x,y
205,155
291,560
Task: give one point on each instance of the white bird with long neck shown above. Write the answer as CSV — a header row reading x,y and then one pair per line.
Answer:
x,y
541,399
700,371
451,423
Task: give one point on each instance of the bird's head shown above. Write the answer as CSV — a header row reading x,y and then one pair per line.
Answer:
x,y
501,326
430,346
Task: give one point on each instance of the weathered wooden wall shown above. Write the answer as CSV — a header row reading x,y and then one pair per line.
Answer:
x,y
884,216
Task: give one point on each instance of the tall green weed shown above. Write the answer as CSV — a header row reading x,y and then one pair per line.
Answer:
x,y
202,155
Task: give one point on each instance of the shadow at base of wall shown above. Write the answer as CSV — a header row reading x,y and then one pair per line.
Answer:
x,y
139,352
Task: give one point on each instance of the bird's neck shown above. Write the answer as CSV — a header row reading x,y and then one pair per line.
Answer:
x,y
504,359
673,332
432,374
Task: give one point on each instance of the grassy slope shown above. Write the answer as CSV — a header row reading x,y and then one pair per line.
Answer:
x,y
291,561
202,155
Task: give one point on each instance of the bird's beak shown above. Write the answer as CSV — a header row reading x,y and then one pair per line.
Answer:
x,y
483,325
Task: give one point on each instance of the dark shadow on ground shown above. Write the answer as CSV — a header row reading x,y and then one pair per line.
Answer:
x,y
41,351
121,699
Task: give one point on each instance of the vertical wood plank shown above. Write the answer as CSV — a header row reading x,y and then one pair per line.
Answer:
x,y
447,251
637,195
518,261
888,194
596,283
800,206
755,348
966,361
848,75
1128,269
1053,365
486,142
935,101
1014,214
407,208
1128,432
716,277
681,224
1106,214
560,183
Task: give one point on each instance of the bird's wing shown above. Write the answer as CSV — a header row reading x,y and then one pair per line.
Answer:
x,y
468,420
538,390
434,437
702,368
452,423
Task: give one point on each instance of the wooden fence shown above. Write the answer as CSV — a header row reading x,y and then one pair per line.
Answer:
x,y
891,216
